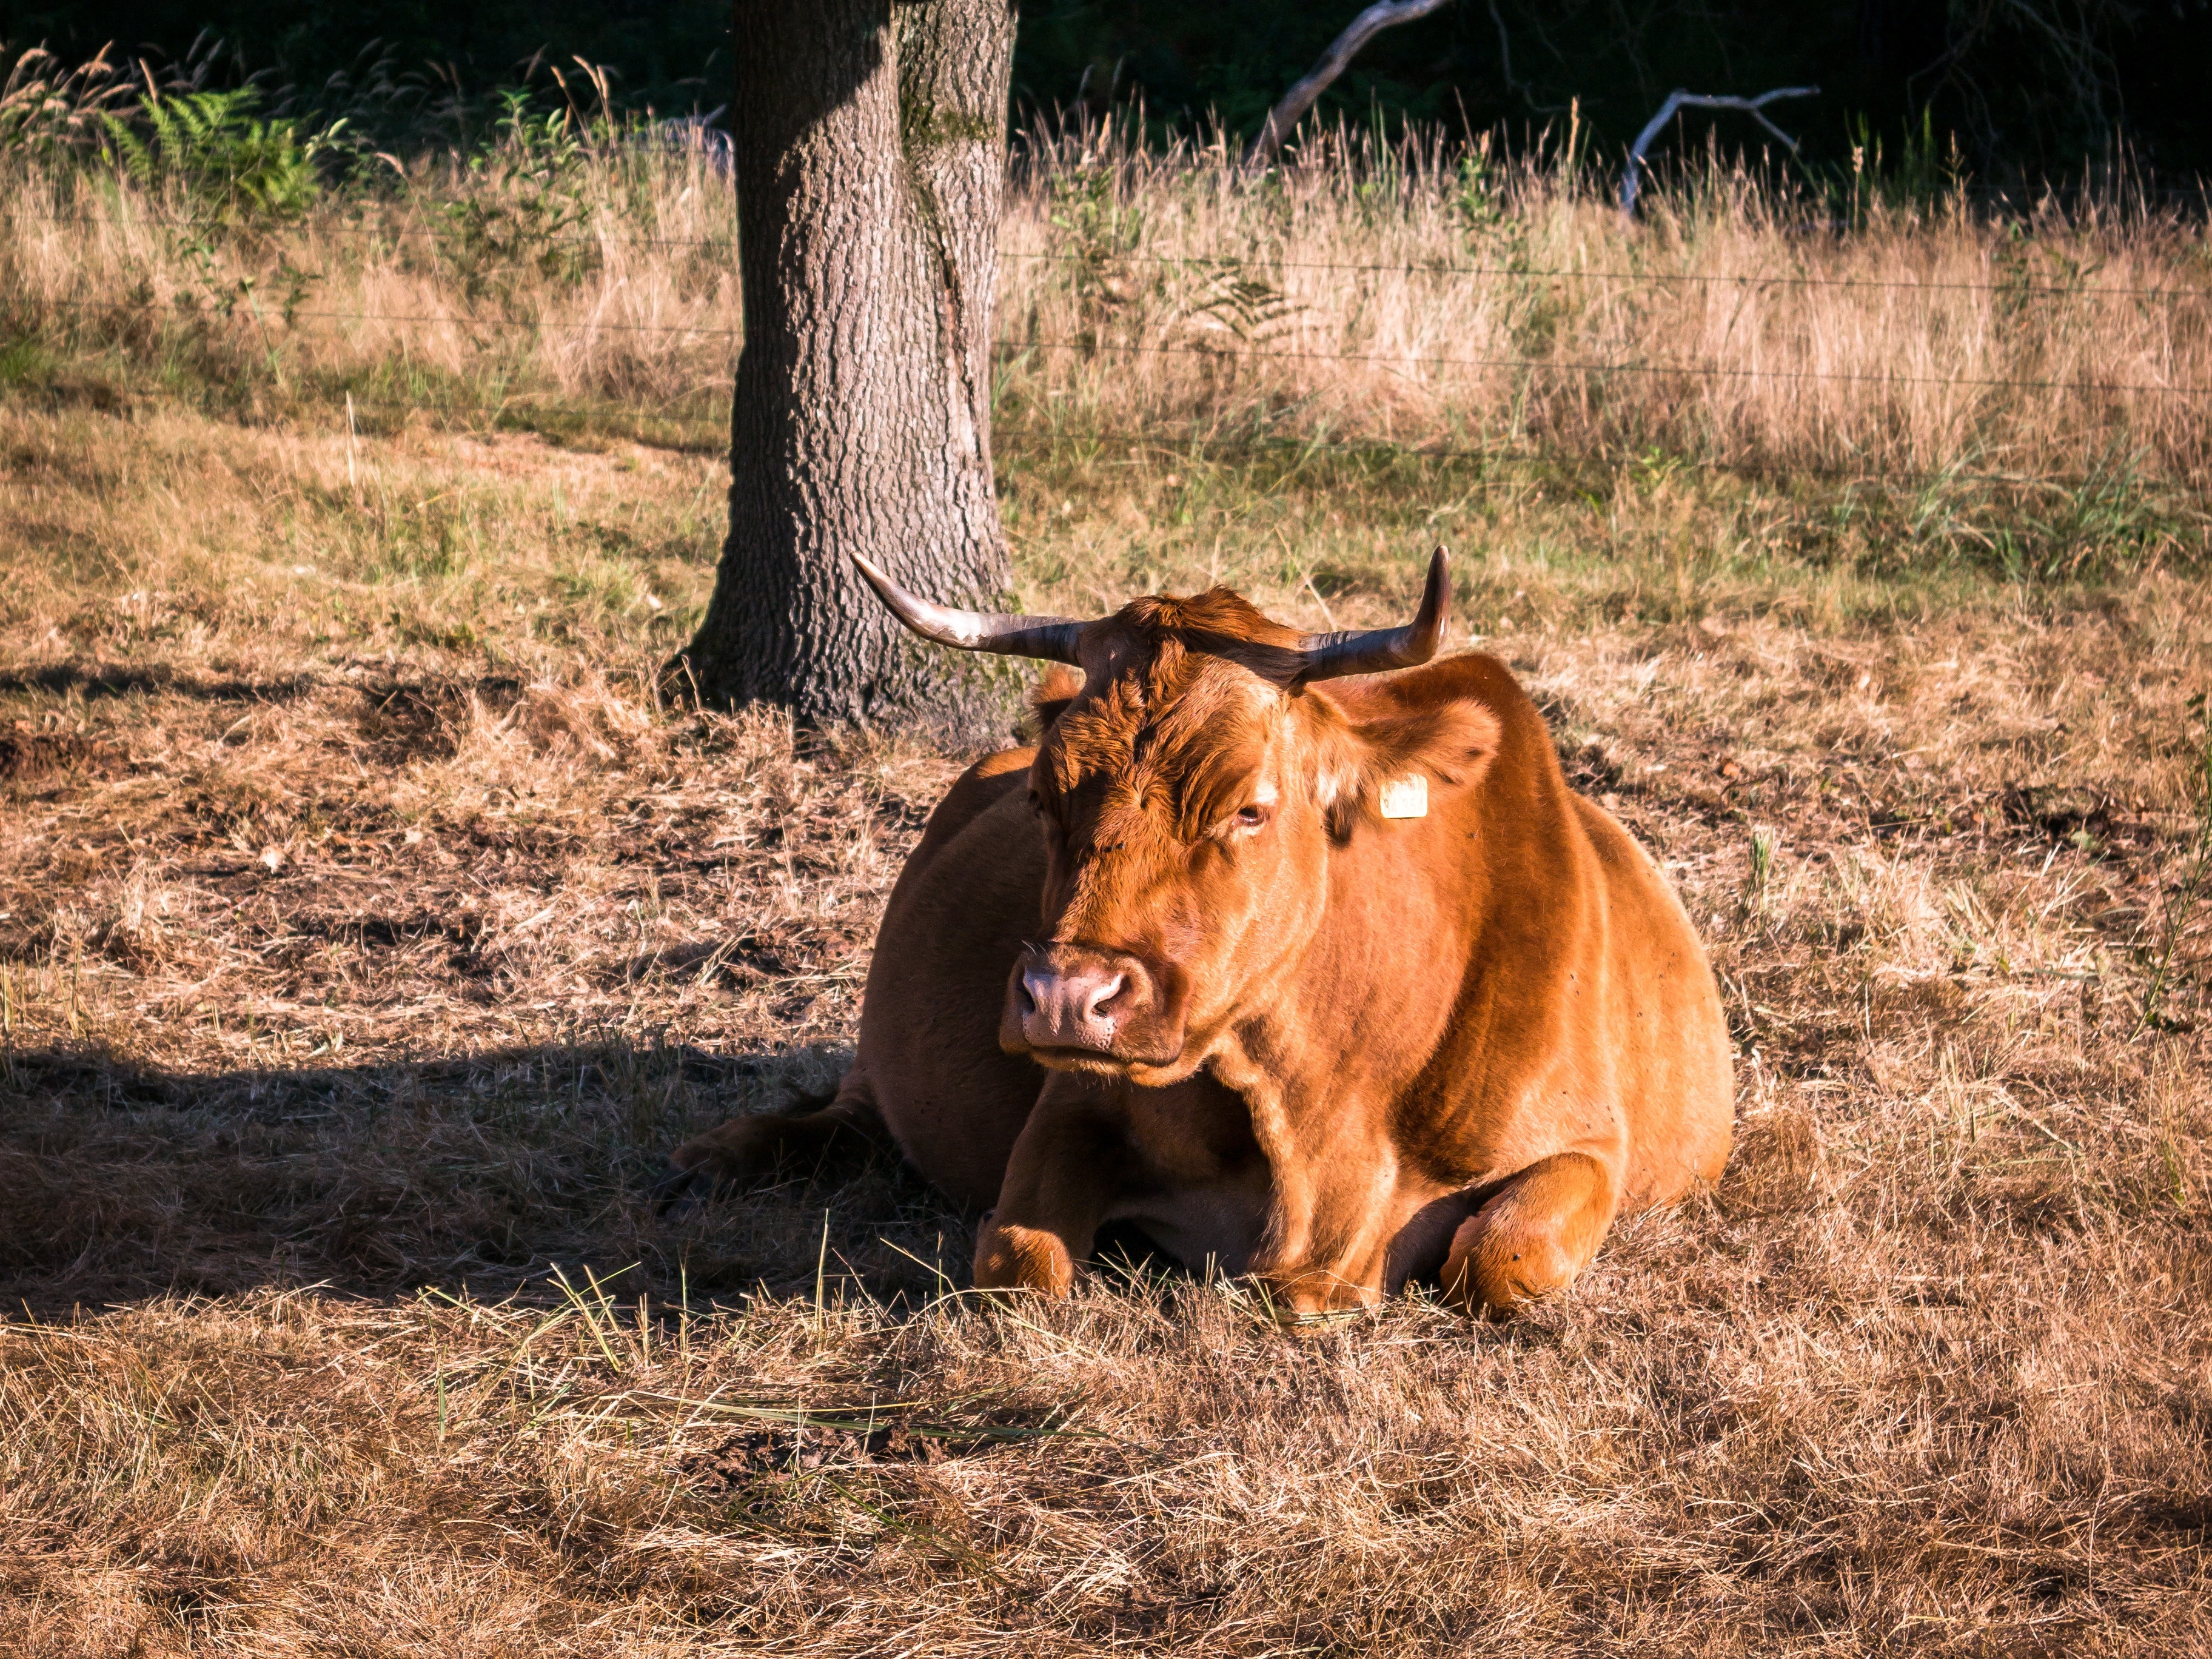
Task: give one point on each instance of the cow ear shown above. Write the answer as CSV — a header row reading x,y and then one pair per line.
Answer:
x,y
1451,742
1056,688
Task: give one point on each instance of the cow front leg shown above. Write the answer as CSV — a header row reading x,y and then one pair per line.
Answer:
x,y
1069,1164
1535,1233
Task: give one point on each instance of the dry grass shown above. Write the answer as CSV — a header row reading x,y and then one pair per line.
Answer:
x,y
1362,294
1415,296
366,936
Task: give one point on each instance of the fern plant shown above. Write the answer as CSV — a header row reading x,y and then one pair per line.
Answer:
x,y
223,154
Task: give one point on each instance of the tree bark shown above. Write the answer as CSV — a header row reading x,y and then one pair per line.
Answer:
x,y
869,143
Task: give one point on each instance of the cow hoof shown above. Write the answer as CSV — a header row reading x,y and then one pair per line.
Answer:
x,y
1013,1258
693,1176
1311,1305
735,1154
717,1162
1492,1272
681,1190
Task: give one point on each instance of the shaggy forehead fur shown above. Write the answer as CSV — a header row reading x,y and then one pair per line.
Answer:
x,y
1182,695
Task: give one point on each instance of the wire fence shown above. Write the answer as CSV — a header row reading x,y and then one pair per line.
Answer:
x,y
1200,438
1261,260
1012,348
367,233
1748,279
463,320
1553,365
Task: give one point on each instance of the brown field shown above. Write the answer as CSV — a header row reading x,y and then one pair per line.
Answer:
x,y
367,935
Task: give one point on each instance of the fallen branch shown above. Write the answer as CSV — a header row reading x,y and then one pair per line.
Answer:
x,y
1632,177
1283,119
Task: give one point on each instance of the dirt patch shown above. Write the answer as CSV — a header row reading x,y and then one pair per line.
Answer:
x,y
427,719
26,753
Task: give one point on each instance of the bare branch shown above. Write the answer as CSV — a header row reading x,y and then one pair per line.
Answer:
x,y
1283,119
1505,64
1631,176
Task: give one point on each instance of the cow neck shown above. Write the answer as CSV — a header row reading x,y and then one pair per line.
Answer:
x,y
1371,995
1336,1036
1433,931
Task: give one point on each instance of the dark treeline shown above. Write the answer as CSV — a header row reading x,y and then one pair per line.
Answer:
x,y
2030,89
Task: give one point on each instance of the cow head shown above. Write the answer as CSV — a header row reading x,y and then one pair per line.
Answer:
x,y
1189,793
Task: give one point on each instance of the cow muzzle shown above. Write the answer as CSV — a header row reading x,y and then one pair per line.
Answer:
x,y
1069,1001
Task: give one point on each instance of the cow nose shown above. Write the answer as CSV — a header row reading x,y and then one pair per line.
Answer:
x,y
1070,1006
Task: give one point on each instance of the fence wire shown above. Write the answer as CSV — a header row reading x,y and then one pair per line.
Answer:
x,y
1259,261
1014,348
535,408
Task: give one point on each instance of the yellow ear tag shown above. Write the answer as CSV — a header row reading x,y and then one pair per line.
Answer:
x,y
1407,797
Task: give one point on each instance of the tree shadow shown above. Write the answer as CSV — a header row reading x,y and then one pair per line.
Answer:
x,y
121,1180
120,680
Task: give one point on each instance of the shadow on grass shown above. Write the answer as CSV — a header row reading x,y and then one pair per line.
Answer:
x,y
476,1173
111,680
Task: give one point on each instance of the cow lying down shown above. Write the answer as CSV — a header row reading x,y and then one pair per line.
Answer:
x,y
1337,985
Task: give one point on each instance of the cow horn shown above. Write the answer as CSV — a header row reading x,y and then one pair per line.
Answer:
x,y
1051,638
1369,651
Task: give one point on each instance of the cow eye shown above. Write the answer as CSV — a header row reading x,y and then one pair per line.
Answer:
x,y
1251,817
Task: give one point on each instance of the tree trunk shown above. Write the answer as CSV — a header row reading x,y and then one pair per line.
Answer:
x,y
870,143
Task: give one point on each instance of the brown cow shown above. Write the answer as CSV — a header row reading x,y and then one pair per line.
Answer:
x,y
1336,989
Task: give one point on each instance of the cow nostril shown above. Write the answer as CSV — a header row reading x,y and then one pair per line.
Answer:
x,y
1032,993
1106,993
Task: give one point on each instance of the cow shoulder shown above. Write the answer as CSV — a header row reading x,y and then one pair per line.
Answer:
x,y
991,779
974,792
